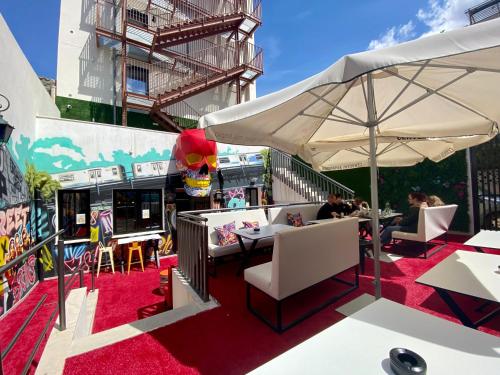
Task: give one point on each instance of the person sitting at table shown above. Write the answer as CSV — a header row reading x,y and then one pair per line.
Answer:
x,y
408,223
434,201
342,207
357,205
328,210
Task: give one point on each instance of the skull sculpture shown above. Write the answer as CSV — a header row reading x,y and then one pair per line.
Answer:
x,y
196,157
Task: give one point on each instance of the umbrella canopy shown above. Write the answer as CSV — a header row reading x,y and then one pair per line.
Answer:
x,y
396,106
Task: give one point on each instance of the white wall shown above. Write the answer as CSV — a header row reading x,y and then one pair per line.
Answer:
x,y
28,98
83,71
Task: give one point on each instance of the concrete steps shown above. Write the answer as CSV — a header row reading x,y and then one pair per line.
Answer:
x,y
80,311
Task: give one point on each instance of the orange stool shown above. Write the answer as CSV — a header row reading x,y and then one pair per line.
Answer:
x,y
135,247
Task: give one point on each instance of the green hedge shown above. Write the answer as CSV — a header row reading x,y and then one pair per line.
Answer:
x,y
97,112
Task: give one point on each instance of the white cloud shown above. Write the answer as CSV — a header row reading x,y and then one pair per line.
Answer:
x,y
393,36
445,15
437,16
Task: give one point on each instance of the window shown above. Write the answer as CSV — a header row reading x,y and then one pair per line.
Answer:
x,y
137,80
73,212
137,17
114,171
137,210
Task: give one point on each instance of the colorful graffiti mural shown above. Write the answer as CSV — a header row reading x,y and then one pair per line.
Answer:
x,y
15,238
235,198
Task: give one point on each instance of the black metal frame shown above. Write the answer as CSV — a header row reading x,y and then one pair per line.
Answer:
x,y
460,314
279,327
426,246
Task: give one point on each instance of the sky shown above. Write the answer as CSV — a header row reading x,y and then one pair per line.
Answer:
x,y
300,38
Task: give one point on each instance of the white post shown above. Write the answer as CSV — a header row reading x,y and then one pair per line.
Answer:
x,y
372,123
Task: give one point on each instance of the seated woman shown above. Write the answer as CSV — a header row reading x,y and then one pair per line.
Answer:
x,y
434,201
408,223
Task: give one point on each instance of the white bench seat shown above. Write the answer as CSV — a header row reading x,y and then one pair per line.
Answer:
x,y
303,257
432,223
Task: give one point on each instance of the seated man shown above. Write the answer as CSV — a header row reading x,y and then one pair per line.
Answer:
x,y
328,210
341,208
408,223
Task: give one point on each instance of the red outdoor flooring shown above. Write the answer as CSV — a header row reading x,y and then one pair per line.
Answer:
x,y
122,299
125,298
229,340
18,356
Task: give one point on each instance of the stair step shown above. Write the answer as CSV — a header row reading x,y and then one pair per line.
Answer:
x,y
59,343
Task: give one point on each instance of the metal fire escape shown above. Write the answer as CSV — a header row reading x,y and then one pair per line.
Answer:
x,y
171,50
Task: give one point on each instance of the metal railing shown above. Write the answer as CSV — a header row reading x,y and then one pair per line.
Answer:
x,y
192,245
157,15
304,180
183,114
154,79
64,286
484,11
34,251
192,253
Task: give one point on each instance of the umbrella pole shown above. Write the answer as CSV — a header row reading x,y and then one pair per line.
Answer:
x,y
372,123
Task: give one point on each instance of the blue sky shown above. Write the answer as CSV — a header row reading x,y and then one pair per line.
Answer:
x,y
300,38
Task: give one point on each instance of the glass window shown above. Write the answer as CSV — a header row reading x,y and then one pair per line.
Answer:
x,y
74,213
137,210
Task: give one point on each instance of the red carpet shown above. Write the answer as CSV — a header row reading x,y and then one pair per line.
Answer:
x,y
18,356
122,299
125,298
229,340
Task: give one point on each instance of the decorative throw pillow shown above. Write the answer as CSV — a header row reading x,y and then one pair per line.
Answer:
x,y
224,234
250,224
295,219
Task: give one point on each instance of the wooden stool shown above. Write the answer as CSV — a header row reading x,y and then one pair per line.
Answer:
x,y
109,250
135,247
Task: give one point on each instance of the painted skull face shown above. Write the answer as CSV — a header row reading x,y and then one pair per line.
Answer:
x,y
197,157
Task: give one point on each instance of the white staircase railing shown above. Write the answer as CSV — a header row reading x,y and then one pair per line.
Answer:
x,y
304,180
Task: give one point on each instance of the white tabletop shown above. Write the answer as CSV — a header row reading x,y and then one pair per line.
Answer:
x,y
125,240
360,344
485,238
264,232
319,221
467,272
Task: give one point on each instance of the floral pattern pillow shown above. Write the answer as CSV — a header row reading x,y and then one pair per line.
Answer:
x,y
295,219
250,224
224,234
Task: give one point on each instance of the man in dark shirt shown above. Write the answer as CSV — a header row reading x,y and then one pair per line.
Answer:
x,y
328,210
408,223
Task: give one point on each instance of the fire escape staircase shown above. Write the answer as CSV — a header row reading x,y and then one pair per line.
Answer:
x,y
178,62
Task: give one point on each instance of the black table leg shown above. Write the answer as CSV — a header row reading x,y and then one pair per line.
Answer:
x,y
245,254
455,308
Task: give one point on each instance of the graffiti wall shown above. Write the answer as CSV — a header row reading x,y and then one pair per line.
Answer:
x,y
13,189
235,198
15,239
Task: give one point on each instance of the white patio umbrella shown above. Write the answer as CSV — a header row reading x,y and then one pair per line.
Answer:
x,y
396,106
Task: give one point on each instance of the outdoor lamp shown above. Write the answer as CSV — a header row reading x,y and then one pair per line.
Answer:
x,y
5,128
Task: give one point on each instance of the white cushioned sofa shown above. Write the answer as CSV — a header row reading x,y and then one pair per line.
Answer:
x,y
277,215
218,219
303,257
432,222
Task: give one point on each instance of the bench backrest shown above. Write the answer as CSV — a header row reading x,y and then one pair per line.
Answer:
x,y
277,215
305,256
434,221
218,219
